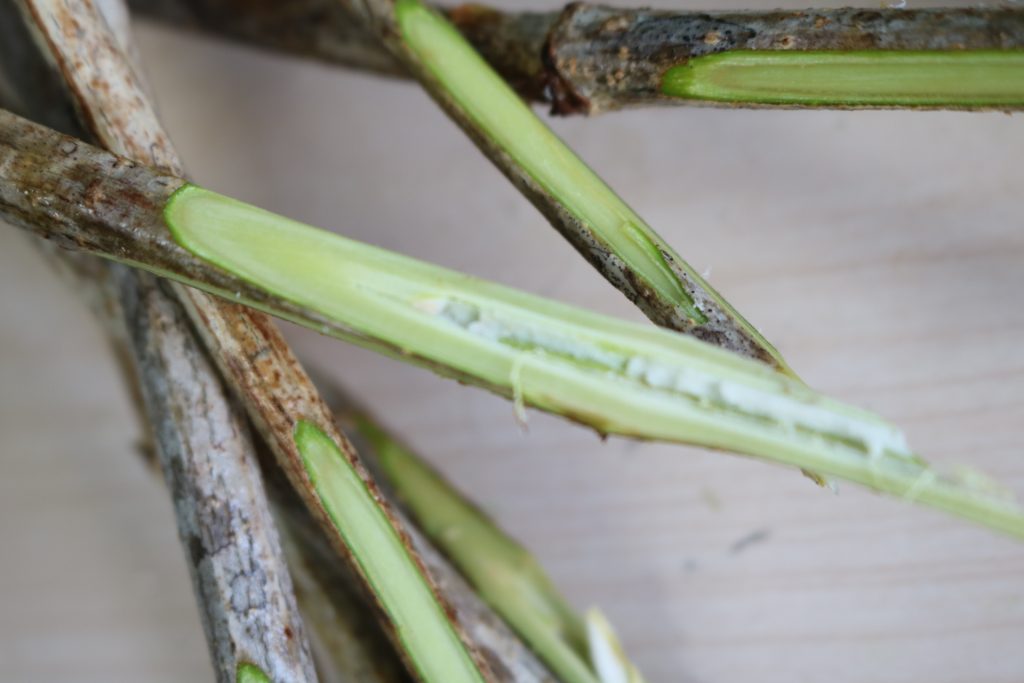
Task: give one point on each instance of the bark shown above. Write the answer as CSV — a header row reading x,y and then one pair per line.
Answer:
x,y
588,59
240,578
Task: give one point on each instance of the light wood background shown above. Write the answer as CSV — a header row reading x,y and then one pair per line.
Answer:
x,y
883,252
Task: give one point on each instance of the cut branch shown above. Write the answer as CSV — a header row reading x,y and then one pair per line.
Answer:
x,y
502,571
594,58
617,377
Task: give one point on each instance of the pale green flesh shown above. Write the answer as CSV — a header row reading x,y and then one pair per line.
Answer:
x,y
502,571
250,673
492,105
419,620
616,376
879,78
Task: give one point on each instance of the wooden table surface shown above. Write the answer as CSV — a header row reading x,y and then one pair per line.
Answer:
x,y
883,252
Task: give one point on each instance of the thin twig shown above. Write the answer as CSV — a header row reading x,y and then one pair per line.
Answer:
x,y
245,344
588,59
240,576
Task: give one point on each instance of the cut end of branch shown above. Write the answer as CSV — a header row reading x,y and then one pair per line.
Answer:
x,y
948,79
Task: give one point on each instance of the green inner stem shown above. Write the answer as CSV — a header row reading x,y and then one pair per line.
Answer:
x,y
965,78
398,585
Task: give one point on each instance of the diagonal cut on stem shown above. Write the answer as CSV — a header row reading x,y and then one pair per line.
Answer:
x,y
617,377
955,79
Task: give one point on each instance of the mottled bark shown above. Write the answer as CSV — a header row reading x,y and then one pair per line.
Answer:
x,y
588,58
241,580
603,58
245,344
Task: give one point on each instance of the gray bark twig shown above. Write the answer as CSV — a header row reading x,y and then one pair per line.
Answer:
x,y
240,576
241,580
588,59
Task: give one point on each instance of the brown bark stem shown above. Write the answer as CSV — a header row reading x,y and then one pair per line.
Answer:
x,y
238,570
588,58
